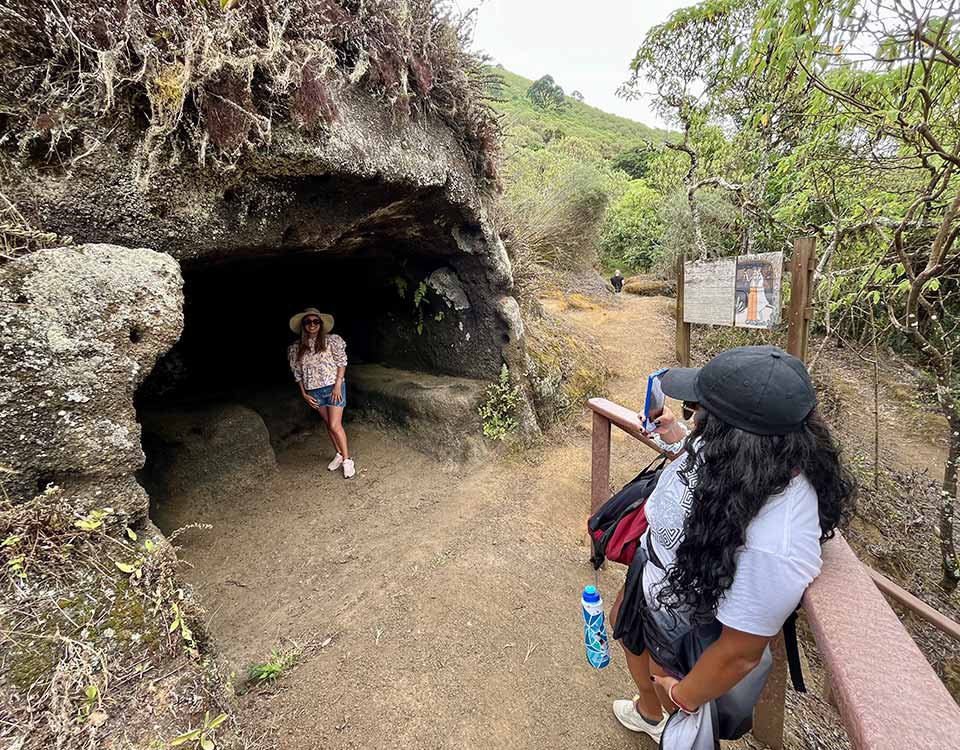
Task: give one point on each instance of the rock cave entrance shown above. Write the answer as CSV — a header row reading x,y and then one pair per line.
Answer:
x,y
423,333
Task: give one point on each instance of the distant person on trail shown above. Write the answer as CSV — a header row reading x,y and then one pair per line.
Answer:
x,y
319,364
617,281
735,528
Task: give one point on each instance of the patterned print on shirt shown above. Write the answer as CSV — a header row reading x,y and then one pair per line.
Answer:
x,y
670,505
318,369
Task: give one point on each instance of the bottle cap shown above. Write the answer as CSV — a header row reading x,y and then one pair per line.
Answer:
x,y
591,595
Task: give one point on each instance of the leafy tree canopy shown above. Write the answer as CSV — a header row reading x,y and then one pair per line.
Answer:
x,y
546,93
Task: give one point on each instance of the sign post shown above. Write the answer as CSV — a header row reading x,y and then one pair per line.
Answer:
x,y
744,292
683,328
801,289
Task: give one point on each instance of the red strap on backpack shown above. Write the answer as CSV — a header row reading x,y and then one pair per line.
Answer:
x,y
623,544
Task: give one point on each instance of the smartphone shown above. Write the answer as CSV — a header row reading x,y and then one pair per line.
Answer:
x,y
653,407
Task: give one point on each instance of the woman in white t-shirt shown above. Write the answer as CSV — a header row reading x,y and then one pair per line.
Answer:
x,y
735,530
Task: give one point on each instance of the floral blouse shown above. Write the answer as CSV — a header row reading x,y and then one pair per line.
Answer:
x,y
318,369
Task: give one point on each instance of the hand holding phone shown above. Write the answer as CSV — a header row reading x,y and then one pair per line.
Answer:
x,y
653,406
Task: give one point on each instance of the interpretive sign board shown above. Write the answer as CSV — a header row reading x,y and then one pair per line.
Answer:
x,y
708,291
758,290
745,292
742,291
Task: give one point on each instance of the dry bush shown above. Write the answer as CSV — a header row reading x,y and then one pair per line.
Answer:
x,y
210,79
708,341
648,286
552,207
99,639
563,369
18,237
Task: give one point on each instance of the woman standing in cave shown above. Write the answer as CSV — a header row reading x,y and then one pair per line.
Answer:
x,y
319,363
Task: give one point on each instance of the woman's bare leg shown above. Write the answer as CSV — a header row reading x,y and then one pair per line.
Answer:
x,y
335,415
661,693
325,413
648,702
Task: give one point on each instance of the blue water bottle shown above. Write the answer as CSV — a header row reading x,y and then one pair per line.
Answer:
x,y
594,628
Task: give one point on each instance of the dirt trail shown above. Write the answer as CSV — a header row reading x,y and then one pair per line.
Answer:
x,y
450,595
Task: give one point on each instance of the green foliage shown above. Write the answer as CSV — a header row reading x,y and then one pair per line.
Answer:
x,y
93,521
719,219
632,229
499,412
559,178
525,124
201,738
635,161
419,294
546,93
420,299
279,661
837,119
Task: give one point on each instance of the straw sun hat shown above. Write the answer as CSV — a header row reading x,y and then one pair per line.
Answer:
x,y
296,320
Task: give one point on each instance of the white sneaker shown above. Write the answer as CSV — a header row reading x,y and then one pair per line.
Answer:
x,y
336,463
348,468
627,714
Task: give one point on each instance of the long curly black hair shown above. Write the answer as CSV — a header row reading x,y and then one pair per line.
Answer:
x,y
731,475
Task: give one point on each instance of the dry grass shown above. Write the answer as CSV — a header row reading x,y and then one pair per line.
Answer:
x,y
564,369
577,301
18,237
209,80
98,640
648,286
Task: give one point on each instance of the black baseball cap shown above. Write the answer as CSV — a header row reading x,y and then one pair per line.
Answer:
x,y
760,389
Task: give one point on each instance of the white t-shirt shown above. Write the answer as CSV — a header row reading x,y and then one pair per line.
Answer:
x,y
779,559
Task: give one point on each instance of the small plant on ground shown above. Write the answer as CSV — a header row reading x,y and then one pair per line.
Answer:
x,y
201,737
499,411
279,661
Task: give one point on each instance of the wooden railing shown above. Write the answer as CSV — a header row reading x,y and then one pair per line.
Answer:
x,y
888,695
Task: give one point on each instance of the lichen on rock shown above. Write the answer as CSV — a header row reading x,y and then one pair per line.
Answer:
x,y
80,329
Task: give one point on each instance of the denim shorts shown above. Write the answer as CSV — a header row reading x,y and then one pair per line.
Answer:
x,y
324,395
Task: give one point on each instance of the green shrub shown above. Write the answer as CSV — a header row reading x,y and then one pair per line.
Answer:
x,y
499,411
632,228
552,207
278,662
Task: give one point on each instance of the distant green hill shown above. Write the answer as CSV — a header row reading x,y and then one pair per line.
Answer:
x,y
610,133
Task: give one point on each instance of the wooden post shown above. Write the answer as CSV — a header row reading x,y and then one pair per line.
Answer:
x,y
768,713
600,462
802,266
683,329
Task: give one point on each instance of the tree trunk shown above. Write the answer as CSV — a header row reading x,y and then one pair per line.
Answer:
x,y
699,243
948,496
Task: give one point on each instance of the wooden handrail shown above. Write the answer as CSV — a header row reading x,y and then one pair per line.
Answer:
x,y
606,413
919,607
882,683
624,418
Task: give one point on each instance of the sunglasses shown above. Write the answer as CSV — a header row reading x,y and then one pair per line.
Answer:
x,y
311,322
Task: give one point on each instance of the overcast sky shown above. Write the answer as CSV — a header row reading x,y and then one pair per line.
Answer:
x,y
586,47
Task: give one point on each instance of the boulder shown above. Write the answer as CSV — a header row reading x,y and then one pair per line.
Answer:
x,y
80,328
397,196
215,451
438,411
